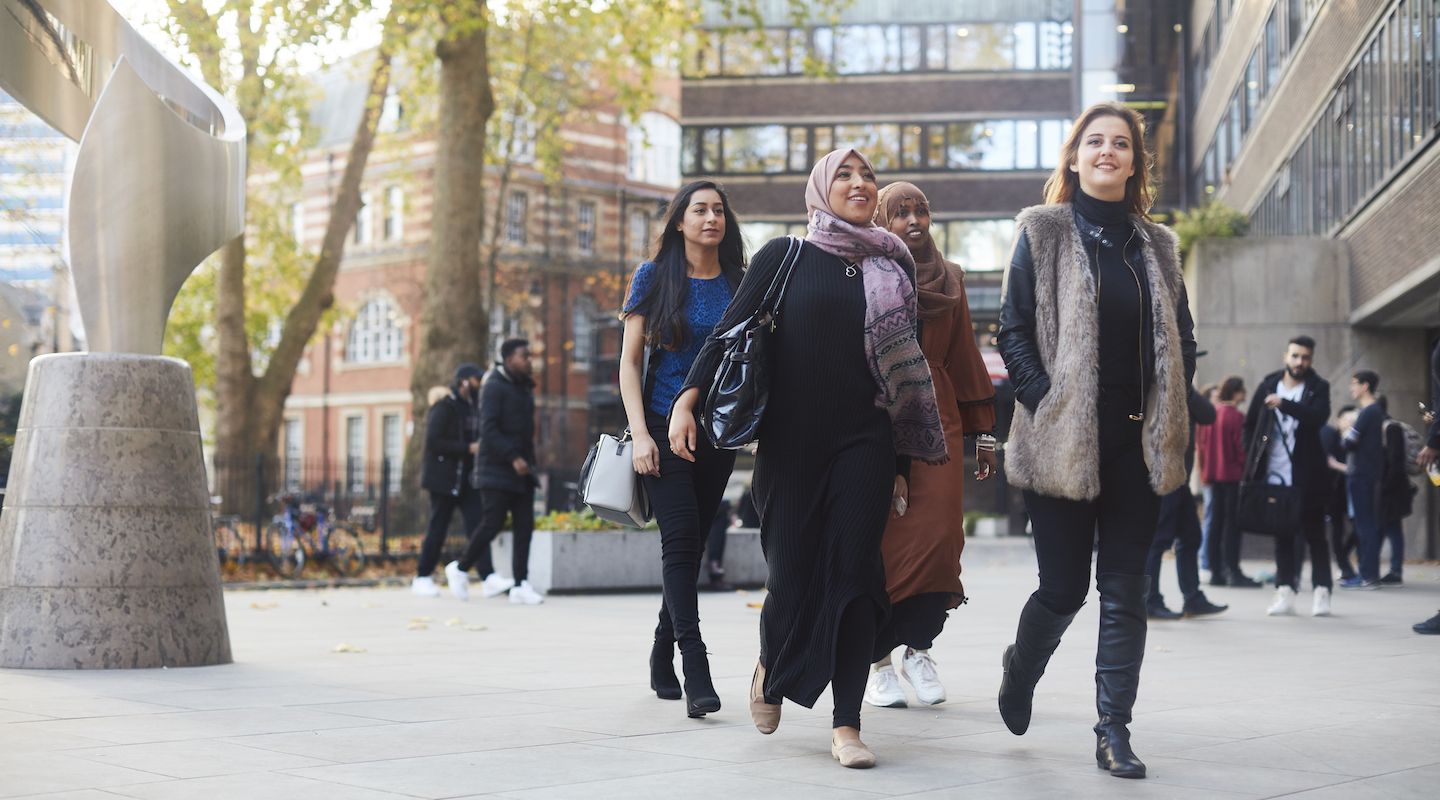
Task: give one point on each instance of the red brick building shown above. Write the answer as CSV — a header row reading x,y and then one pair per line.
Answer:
x,y
566,249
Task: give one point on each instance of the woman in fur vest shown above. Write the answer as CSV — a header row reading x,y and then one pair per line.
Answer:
x,y
1096,333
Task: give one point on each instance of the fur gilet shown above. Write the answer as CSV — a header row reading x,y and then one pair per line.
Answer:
x,y
1056,450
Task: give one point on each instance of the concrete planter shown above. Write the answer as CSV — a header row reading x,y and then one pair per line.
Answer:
x,y
578,561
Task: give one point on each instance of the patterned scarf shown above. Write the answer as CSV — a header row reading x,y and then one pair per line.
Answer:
x,y
905,388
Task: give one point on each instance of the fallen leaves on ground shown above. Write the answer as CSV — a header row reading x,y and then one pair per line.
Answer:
x,y
264,606
346,647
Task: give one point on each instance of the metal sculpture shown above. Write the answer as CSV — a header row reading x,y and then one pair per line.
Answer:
x,y
106,554
159,181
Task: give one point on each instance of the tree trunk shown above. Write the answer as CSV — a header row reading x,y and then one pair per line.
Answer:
x,y
249,409
454,323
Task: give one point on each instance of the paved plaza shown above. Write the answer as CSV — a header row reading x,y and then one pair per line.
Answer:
x,y
375,693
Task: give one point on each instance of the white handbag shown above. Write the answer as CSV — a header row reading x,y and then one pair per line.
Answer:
x,y
609,484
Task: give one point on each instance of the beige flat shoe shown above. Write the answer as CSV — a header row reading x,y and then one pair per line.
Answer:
x,y
852,754
766,715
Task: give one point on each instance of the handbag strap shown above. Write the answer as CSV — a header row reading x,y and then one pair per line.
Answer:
x,y
769,311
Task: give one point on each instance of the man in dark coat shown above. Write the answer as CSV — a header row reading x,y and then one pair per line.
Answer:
x,y
1179,527
452,438
1429,456
507,467
1289,409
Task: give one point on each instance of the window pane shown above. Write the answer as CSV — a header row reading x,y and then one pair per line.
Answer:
x,y
911,146
879,143
912,48
1026,45
981,47
866,49
1027,145
758,148
1055,45
1052,140
979,245
935,146
982,145
799,149
1272,52
934,47
824,143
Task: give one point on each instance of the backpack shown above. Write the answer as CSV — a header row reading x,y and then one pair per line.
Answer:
x,y
1412,444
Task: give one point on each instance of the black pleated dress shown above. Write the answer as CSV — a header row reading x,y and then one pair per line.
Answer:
x,y
825,470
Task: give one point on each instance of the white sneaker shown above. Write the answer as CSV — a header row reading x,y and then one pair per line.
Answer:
x,y
1284,604
1322,602
494,585
425,587
525,594
883,689
458,580
919,669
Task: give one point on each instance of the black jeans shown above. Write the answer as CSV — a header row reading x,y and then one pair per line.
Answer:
x,y
1224,555
914,622
684,500
1179,527
1342,539
1123,517
520,506
1312,528
442,508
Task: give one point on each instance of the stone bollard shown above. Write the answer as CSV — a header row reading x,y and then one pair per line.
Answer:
x,y
107,560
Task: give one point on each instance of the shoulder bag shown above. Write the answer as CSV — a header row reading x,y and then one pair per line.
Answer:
x,y
609,484
738,395
1265,508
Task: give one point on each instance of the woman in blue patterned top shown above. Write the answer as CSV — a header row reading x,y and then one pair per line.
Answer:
x,y
675,300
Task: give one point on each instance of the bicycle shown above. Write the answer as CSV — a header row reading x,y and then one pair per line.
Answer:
x,y
297,536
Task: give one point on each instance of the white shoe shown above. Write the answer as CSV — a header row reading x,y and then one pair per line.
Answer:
x,y
1322,602
425,587
1284,604
919,669
525,594
883,689
494,585
458,580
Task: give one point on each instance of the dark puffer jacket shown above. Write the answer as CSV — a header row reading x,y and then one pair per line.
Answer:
x,y
447,448
507,430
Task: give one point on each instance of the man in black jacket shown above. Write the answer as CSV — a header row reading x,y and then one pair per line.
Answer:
x,y
1289,409
452,436
1179,527
507,467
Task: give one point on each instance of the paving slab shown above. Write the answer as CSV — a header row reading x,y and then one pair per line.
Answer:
x,y
372,693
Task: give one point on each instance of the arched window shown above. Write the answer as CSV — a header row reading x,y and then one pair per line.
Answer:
x,y
654,150
582,323
376,335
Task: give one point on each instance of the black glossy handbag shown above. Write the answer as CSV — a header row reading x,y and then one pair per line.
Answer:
x,y
736,403
1266,508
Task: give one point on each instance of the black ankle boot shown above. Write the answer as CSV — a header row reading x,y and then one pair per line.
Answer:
x,y
662,670
1117,670
700,696
1036,638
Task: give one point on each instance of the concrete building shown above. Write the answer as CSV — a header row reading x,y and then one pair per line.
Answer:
x,y
971,101
566,249
35,291
1318,119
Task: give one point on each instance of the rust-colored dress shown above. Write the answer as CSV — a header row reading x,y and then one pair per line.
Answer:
x,y
922,549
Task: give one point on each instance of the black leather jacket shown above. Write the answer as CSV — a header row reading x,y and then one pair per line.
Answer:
x,y
1017,329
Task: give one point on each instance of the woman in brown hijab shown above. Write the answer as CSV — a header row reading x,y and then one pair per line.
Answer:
x,y
922,548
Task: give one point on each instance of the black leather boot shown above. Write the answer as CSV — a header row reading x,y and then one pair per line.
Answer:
x,y
700,696
1036,638
1117,670
663,679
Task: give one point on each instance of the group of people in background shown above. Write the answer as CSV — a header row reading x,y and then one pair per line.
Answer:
x,y
1353,475
480,458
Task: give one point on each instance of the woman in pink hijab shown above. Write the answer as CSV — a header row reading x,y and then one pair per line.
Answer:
x,y
851,403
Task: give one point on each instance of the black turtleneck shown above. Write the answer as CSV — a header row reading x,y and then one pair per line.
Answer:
x,y
1117,260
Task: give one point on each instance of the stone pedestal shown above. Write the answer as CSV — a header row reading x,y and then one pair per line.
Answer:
x,y
107,560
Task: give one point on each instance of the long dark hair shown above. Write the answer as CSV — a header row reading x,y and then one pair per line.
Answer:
x,y
663,305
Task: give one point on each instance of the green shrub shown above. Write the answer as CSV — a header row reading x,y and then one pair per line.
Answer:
x,y
1213,220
